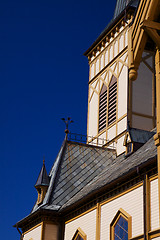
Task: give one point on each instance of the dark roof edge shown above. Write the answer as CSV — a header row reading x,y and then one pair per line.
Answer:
x,y
107,30
113,182
54,174
34,215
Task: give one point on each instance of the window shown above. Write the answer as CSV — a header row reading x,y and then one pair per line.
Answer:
x,y
79,235
112,101
121,226
121,229
107,104
102,108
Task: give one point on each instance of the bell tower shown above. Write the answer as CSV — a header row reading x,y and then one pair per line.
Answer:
x,y
113,100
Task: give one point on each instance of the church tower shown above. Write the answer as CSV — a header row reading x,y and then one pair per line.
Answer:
x,y
109,188
113,101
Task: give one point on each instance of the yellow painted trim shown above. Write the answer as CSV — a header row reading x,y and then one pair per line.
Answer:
x,y
88,113
117,65
153,177
125,115
148,207
153,95
127,135
111,42
157,137
116,138
33,228
82,214
110,63
121,194
111,125
138,237
94,88
42,231
154,234
111,141
98,221
80,232
126,216
123,64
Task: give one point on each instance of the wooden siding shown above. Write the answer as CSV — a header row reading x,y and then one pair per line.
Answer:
x,y
132,203
154,205
86,222
34,234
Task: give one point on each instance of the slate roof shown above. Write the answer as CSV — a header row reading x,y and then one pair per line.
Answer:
x,y
122,4
140,136
119,167
81,170
76,165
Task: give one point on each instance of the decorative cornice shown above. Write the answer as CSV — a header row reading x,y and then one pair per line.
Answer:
x,y
123,20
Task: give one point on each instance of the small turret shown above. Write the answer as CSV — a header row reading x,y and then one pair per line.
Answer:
x,y
42,184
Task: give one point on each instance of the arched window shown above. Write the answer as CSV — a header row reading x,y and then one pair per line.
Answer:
x,y
79,235
121,229
112,100
121,226
108,104
102,108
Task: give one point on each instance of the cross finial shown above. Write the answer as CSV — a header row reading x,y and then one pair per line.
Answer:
x,y
67,121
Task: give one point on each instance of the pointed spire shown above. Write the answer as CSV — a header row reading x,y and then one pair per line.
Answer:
x,y
43,179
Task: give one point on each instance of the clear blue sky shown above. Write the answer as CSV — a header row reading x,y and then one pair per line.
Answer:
x,y
43,77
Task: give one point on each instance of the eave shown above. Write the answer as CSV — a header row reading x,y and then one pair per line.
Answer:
x,y
36,217
108,29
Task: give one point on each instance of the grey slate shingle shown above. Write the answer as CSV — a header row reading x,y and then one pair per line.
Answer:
x,y
121,166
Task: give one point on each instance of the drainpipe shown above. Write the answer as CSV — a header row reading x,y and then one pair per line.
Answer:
x,y
145,206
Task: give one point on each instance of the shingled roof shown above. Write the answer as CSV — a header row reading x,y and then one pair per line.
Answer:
x,y
43,179
139,135
75,166
119,167
81,170
122,4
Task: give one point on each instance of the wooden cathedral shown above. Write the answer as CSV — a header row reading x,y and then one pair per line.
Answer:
x,y
108,187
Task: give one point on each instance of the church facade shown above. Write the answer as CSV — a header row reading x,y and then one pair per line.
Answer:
x,y
108,187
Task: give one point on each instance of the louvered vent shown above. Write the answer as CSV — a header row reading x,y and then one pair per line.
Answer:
x,y
112,102
102,108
